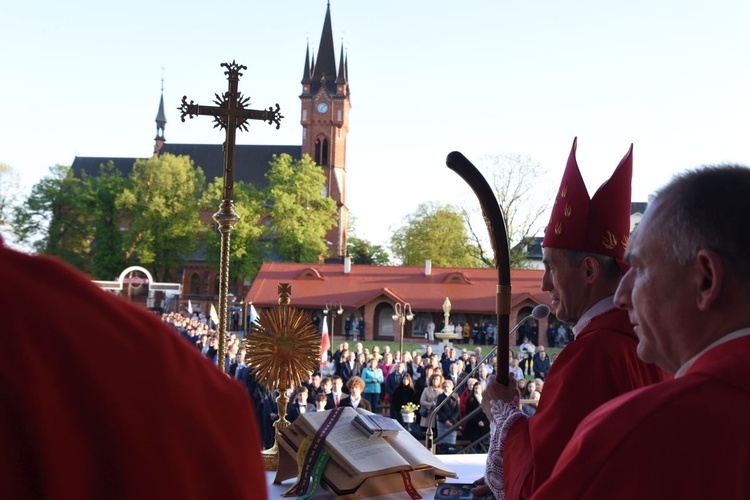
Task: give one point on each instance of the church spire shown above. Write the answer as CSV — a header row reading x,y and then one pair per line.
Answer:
x,y
161,122
306,73
325,64
341,78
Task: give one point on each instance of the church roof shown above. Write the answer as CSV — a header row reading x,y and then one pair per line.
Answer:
x,y
470,290
251,161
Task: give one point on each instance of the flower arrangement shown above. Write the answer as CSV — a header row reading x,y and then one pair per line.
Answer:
x,y
409,408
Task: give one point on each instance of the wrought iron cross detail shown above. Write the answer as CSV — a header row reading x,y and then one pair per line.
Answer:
x,y
230,113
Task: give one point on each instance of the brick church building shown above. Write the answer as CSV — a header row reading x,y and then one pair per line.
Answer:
x,y
325,105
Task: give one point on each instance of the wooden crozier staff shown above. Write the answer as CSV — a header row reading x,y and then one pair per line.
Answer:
x,y
493,218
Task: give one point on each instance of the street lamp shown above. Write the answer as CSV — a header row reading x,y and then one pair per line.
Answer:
x,y
330,308
402,315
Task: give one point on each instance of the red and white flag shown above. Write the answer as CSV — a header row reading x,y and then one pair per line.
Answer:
x,y
325,343
190,308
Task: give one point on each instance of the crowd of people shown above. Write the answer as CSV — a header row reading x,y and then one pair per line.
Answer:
x,y
383,381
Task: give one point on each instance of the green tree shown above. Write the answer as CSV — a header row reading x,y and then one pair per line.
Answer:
x,y
437,232
100,196
245,244
50,219
364,252
161,206
300,214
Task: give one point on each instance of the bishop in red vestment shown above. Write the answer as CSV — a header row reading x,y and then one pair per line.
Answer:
x,y
100,399
688,296
584,246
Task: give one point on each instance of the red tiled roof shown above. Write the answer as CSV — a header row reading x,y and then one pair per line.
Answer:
x,y
471,290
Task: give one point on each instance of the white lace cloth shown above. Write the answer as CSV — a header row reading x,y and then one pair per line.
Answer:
x,y
503,416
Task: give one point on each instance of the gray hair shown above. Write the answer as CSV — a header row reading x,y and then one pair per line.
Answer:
x,y
610,269
707,209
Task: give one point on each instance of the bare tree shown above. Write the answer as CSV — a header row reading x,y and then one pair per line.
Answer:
x,y
523,199
9,186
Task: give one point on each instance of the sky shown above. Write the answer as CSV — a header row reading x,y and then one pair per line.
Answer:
x,y
83,78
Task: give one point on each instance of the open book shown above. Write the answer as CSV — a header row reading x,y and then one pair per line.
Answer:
x,y
356,458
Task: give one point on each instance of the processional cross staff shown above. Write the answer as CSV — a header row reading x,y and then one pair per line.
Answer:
x,y
230,113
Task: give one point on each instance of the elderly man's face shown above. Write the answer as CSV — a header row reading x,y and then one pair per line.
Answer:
x,y
656,294
565,285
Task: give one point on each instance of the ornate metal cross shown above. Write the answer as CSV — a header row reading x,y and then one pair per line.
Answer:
x,y
230,113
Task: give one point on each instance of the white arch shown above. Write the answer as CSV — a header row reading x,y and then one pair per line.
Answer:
x,y
136,268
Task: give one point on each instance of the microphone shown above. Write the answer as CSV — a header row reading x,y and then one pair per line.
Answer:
x,y
541,311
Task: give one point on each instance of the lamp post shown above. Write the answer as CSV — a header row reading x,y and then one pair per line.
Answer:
x,y
402,315
330,308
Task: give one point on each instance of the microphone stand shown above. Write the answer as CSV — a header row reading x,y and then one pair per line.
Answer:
x,y
429,441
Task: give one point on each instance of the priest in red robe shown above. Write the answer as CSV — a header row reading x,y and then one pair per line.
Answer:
x,y
583,246
688,296
100,399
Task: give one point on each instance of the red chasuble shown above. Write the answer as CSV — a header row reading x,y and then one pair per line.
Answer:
x,y
687,438
599,365
100,399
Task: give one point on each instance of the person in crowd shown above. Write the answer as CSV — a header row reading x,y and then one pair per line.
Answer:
x,y
392,381
373,377
326,384
447,360
531,393
423,382
337,393
321,400
551,335
527,349
387,365
456,373
688,295
447,414
96,402
409,365
356,385
471,363
402,394
483,375
515,370
583,251
350,368
541,363
478,425
299,404
465,394
428,399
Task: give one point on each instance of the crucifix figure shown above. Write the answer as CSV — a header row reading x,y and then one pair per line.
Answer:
x,y
230,113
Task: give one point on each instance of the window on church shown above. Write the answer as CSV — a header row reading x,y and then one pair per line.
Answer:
x,y
325,152
195,284
321,152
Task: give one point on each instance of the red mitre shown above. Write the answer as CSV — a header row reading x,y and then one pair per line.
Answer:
x,y
600,224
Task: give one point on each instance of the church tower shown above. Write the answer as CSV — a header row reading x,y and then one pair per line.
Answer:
x,y
325,103
161,122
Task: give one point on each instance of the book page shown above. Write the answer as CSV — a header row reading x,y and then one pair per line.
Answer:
x,y
417,454
349,446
